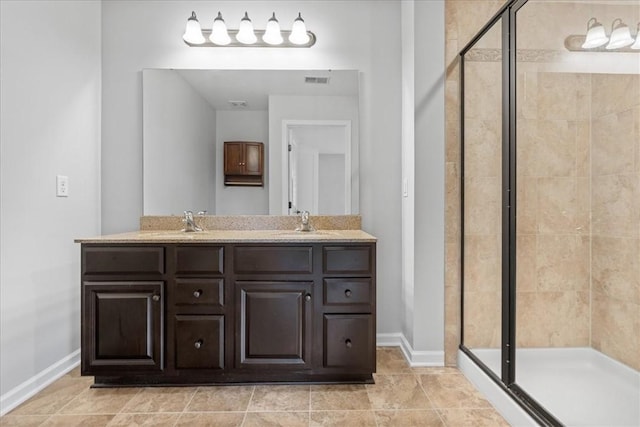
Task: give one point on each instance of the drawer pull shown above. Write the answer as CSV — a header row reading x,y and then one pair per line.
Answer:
x,y
347,293
307,297
348,343
197,293
198,344
156,297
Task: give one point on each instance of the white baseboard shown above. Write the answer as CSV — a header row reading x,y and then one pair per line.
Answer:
x,y
415,358
33,385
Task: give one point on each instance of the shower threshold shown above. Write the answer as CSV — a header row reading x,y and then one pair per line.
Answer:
x,y
579,386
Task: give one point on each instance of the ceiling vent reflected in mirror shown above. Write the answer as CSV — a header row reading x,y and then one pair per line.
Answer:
x,y
316,80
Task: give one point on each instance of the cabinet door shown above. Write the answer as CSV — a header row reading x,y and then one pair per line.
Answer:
x,y
274,321
253,158
234,158
122,327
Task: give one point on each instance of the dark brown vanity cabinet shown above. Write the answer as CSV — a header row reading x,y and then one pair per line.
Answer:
x,y
209,313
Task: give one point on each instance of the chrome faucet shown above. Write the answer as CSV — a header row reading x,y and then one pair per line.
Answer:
x,y
305,225
190,223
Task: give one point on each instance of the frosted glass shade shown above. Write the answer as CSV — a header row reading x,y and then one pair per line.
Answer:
x,y
193,32
596,36
272,33
299,31
219,34
245,33
620,36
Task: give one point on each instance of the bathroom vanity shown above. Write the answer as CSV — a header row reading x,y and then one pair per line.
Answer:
x,y
168,307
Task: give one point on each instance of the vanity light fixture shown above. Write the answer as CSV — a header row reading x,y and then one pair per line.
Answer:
x,y
246,35
620,35
596,39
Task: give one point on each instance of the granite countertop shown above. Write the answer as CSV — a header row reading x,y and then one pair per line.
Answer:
x,y
232,236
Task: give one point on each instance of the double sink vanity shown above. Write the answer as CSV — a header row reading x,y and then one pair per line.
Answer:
x,y
246,300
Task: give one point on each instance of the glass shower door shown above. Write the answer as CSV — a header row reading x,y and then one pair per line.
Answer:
x,y
482,198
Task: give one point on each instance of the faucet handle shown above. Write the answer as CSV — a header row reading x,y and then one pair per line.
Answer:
x,y
202,213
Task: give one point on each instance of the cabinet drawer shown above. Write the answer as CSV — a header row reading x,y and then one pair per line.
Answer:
x,y
348,341
129,260
199,292
199,342
347,260
347,291
200,260
273,259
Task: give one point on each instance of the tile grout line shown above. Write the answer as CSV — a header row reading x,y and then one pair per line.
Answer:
x,y
433,406
246,410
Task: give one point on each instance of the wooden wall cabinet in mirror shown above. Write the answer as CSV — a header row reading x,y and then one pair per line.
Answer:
x,y
244,163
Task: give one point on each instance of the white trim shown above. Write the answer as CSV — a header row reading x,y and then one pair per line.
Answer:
x,y
19,394
414,358
505,405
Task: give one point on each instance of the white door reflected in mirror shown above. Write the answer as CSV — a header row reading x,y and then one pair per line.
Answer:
x,y
319,167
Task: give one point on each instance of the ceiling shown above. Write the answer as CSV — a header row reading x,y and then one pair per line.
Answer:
x,y
218,87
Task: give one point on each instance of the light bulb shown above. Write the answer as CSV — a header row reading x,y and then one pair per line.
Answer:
x,y
193,32
245,33
219,34
596,36
620,35
299,31
272,33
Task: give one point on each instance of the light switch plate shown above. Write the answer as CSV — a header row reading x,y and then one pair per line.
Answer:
x,y
62,186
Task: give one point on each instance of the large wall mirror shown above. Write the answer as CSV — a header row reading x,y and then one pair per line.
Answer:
x,y
307,120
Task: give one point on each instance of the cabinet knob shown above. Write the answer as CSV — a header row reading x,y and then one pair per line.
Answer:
x,y
347,293
348,343
307,297
197,293
156,297
198,344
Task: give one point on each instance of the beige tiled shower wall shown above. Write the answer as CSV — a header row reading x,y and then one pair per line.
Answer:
x,y
615,198
553,223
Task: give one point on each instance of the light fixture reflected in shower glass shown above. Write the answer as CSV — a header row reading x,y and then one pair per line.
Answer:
x,y
219,34
636,45
245,33
596,36
620,35
193,31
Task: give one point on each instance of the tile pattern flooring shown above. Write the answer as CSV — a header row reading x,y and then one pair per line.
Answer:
x,y
402,396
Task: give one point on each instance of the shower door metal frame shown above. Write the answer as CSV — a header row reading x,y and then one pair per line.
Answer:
x,y
507,380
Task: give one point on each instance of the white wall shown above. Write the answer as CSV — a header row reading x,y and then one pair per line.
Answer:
x,y
309,108
241,126
147,34
179,131
50,114
423,169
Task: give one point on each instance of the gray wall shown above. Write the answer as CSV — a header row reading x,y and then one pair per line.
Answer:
x,y
147,34
179,146
50,114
